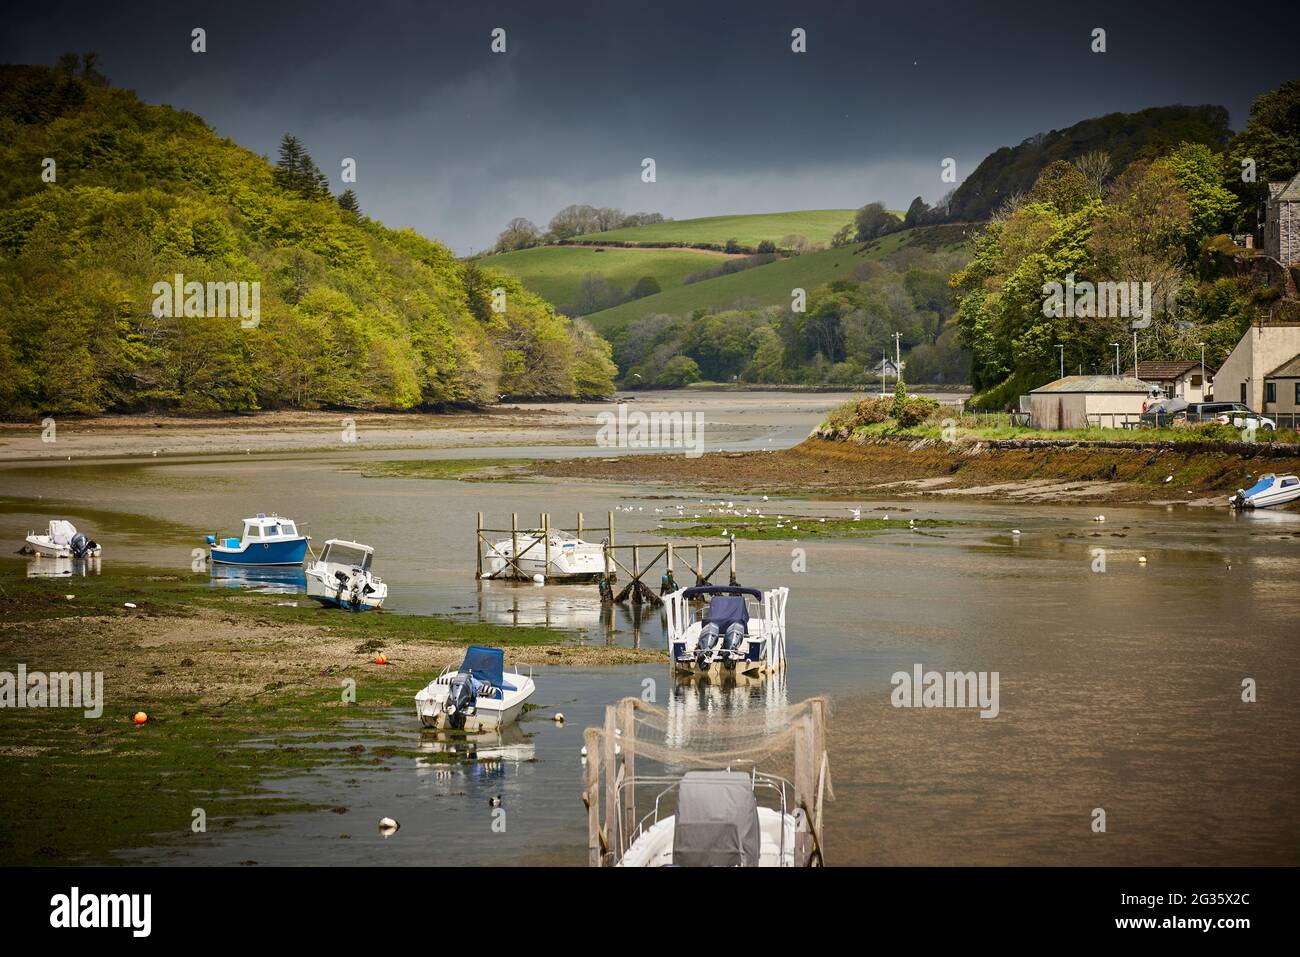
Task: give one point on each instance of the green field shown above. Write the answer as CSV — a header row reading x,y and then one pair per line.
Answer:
x,y
555,272
765,285
816,225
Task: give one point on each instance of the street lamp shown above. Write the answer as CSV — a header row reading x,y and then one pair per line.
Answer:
x,y
1116,345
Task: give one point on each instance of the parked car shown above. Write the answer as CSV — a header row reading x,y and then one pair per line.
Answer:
x,y
1199,412
1247,420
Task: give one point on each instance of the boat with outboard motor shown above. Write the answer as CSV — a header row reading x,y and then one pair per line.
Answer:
x,y
480,695
62,540
267,540
1270,490
342,577
741,631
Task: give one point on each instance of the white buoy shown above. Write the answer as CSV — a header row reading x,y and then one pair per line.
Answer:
x,y
539,579
387,826
559,717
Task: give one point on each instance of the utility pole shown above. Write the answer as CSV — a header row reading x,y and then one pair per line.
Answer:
x,y
1135,355
898,354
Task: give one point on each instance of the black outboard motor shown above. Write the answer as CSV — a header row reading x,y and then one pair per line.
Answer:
x,y
731,644
80,545
460,701
708,638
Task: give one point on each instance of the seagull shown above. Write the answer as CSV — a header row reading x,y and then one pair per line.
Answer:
x,y
856,512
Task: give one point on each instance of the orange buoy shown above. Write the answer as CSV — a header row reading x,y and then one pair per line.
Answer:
x,y
380,659
140,717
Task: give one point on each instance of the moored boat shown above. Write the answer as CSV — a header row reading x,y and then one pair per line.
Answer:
x,y
558,556
342,577
62,540
741,632
480,695
267,540
1270,490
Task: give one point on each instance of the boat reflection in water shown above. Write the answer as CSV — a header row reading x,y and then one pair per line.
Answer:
x,y
43,566
571,607
760,704
482,756
268,580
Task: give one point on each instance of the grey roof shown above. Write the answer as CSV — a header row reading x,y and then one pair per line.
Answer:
x,y
1094,383
1291,191
1287,370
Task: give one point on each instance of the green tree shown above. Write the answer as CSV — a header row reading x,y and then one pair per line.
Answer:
x,y
348,202
679,371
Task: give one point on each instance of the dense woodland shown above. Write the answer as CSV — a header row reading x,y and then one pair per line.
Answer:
x,y
353,313
1164,218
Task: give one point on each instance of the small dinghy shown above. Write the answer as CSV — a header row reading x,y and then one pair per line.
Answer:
x,y
741,633
570,558
480,695
1270,490
266,541
342,577
62,540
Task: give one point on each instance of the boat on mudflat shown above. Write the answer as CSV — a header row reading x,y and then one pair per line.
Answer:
x,y
342,577
1270,490
267,540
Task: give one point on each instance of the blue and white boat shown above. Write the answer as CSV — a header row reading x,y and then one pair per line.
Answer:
x,y
266,541
740,633
478,696
1270,490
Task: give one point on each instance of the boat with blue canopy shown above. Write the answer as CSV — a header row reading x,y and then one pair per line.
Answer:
x,y
267,540
1270,490
740,632
480,695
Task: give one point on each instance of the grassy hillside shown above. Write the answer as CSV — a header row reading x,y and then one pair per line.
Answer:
x,y
351,313
762,286
555,272
815,225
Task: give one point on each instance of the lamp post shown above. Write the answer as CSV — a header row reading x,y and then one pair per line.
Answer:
x,y
1116,345
1135,355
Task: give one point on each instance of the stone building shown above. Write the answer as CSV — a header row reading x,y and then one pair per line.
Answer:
x,y
1282,222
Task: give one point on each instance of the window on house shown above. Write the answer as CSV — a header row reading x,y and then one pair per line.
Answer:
x,y
1297,393
1196,382
1270,391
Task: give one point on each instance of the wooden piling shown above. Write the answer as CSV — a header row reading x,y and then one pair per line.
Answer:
x,y
628,722
546,542
591,796
733,560
514,542
478,548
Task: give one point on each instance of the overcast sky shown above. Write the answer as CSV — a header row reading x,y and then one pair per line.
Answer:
x,y
455,140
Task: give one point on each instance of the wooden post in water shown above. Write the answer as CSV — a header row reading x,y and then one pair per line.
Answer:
x,y
579,532
478,548
733,559
591,796
636,574
613,572
628,722
514,543
699,565
546,544
608,759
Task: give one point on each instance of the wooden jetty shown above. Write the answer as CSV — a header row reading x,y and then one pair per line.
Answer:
x,y
634,559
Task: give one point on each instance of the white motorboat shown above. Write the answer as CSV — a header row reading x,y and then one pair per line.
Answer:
x,y
1270,490
342,577
62,540
720,823
741,632
480,695
557,556
729,805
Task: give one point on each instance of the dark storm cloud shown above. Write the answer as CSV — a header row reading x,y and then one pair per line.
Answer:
x,y
454,140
